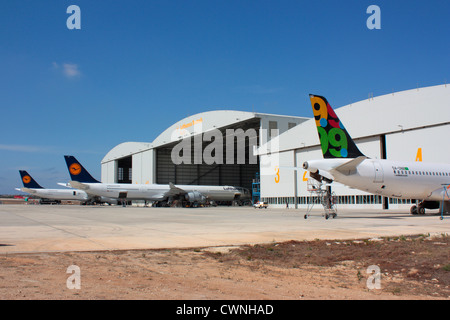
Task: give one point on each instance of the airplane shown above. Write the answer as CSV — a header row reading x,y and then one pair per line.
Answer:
x,y
343,162
32,187
193,194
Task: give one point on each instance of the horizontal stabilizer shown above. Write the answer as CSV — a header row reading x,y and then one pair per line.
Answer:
x,y
349,168
67,185
79,185
290,168
28,190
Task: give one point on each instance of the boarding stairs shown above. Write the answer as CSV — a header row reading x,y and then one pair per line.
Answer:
x,y
320,194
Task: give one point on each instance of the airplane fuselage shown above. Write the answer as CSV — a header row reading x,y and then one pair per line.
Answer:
x,y
397,179
156,192
58,194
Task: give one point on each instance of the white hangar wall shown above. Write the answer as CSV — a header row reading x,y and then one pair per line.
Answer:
x,y
407,121
143,166
433,141
139,152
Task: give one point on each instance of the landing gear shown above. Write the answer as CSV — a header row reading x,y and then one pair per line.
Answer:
x,y
415,210
333,215
421,210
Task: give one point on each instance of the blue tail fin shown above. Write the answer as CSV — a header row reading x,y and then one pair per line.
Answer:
x,y
334,138
28,181
77,171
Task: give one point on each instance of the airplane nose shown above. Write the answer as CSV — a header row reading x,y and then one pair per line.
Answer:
x,y
305,165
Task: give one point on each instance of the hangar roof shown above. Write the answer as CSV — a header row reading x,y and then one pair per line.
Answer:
x,y
198,123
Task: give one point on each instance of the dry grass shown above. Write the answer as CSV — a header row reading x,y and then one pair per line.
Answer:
x,y
418,265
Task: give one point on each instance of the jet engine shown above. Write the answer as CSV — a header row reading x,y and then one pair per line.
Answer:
x,y
108,200
195,196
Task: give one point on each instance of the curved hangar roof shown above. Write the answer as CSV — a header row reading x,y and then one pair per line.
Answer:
x,y
191,125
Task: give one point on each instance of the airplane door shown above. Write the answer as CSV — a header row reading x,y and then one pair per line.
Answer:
x,y
379,176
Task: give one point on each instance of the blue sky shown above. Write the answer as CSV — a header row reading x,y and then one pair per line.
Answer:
x,y
136,67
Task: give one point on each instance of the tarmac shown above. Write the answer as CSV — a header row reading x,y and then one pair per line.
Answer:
x,y
60,228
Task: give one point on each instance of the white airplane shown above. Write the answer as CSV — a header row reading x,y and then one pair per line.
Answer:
x,y
194,194
32,187
344,163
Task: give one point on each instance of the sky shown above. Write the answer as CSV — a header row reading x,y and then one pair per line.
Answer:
x,y
136,67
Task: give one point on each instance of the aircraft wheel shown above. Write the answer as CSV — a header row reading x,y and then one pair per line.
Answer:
x,y
413,210
421,210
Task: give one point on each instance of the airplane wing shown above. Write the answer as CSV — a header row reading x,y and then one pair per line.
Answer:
x,y
441,193
174,190
349,168
79,185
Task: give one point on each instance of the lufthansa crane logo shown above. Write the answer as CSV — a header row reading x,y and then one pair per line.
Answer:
x,y
26,179
75,169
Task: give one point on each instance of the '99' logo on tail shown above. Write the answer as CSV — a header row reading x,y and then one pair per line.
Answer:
x,y
333,138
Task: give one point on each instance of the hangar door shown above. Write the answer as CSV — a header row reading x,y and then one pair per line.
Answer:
x,y
239,175
124,170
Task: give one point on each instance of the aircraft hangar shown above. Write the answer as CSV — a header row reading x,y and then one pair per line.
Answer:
x,y
144,163
410,125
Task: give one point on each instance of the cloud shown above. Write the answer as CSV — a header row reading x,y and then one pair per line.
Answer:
x,y
69,70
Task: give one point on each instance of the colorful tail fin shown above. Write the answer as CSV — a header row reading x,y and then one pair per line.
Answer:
x,y
334,138
78,172
28,181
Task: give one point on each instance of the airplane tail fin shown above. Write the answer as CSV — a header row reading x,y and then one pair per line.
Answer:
x,y
77,171
28,181
334,138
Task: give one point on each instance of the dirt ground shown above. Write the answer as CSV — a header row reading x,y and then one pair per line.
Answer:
x,y
416,267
